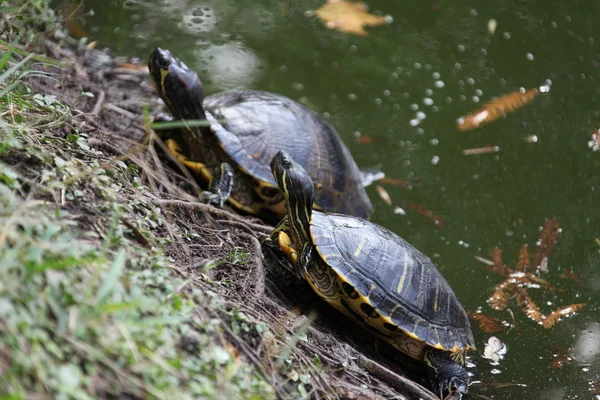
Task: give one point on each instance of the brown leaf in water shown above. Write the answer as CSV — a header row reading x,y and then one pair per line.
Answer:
x,y
348,17
502,294
524,262
496,108
427,213
529,307
569,274
547,242
563,312
496,256
488,324
385,196
365,139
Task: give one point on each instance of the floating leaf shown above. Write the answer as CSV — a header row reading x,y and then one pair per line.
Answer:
x,y
524,262
481,150
569,274
499,267
385,196
563,312
365,139
529,307
547,242
427,213
488,324
349,17
496,108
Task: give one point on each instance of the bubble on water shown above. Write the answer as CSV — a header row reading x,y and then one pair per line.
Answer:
x,y
405,95
435,160
435,75
421,115
325,114
198,20
399,211
428,92
394,75
473,12
462,97
231,65
283,68
378,101
484,52
439,84
568,19
448,100
457,66
435,108
408,74
460,48
506,35
553,24
353,48
414,106
417,65
428,101
420,131
529,56
475,99
396,106
461,82
352,97
386,93
479,92
309,13
434,142
427,67
298,86
414,122
470,81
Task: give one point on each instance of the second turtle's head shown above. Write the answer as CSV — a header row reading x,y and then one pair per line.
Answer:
x,y
178,85
293,180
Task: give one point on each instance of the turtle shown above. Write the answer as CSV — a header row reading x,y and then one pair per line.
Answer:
x,y
244,129
376,278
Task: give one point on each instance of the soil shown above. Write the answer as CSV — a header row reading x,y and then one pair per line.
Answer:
x,y
260,285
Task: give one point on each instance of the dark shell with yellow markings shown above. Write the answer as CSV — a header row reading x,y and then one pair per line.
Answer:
x,y
390,285
252,126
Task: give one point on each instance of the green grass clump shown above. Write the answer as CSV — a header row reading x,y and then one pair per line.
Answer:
x,y
89,306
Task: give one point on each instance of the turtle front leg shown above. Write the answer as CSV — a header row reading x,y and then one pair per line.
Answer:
x,y
445,374
221,185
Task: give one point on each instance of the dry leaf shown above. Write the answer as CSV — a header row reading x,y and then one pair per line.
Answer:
x,y
427,213
563,312
365,139
385,196
499,267
349,17
548,237
488,324
524,263
496,108
502,294
569,274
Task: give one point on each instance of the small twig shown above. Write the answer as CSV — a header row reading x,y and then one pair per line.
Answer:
x,y
259,274
400,383
99,103
119,110
207,208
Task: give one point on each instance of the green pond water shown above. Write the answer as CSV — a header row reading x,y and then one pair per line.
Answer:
x,y
403,87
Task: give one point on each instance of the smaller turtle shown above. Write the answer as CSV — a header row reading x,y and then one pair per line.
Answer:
x,y
376,278
244,129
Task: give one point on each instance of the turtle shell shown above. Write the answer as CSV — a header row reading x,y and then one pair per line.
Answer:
x,y
252,126
402,285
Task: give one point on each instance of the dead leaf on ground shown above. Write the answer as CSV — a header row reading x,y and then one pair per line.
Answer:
x,y
348,17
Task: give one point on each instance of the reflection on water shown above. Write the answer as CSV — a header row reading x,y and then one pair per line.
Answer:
x,y
404,86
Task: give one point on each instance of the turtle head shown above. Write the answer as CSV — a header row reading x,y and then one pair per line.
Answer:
x,y
446,375
292,179
178,85
298,190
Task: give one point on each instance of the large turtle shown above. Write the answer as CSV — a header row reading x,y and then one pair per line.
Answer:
x,y
245,129
372,275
